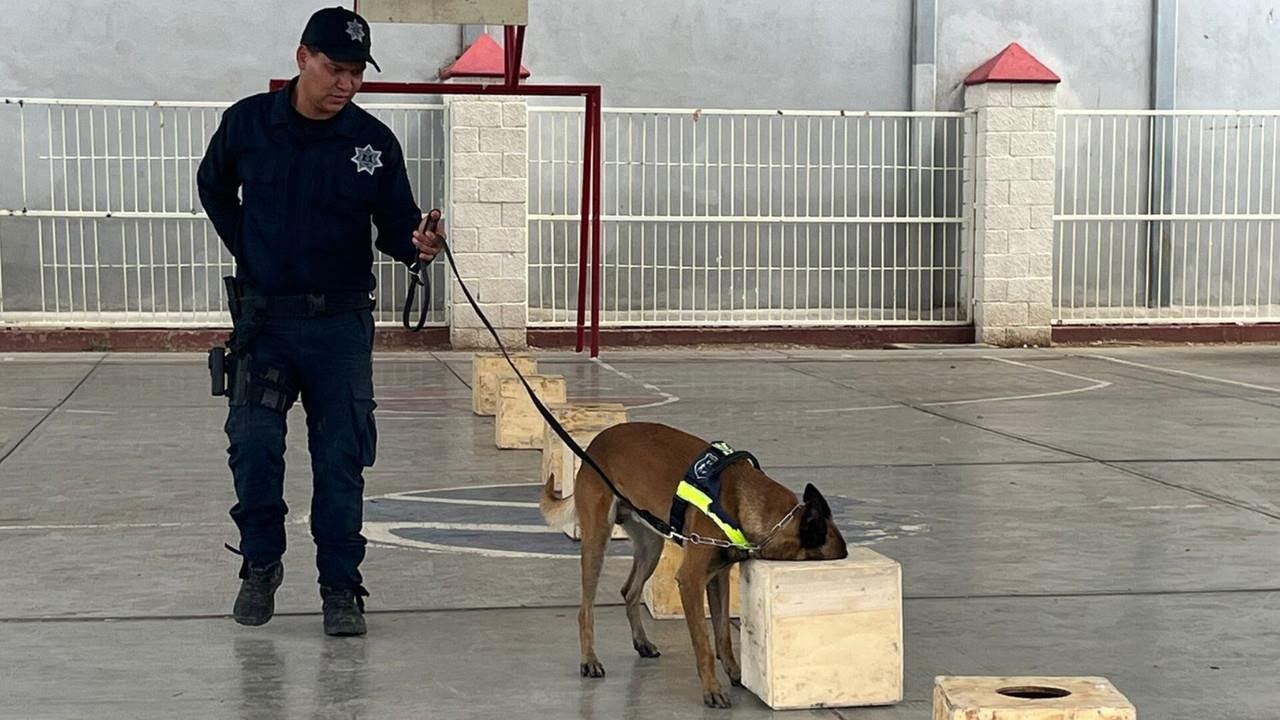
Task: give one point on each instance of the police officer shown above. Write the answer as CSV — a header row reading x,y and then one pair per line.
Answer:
x,y
312,169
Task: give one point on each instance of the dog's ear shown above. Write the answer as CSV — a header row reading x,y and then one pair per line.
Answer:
x,y
814,518
814,499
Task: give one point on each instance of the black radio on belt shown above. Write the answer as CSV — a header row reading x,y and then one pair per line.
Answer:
x,y
218,370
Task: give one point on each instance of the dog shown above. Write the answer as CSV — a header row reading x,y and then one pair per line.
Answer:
x,y
646,462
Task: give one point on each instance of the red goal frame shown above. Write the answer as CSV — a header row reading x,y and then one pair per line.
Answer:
x,y
589,251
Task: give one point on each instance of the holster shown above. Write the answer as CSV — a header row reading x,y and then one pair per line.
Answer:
x,y
232,370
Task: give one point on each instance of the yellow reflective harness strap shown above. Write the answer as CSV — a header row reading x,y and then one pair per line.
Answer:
x,y
695,497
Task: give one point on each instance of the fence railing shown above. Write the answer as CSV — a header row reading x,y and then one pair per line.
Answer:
x,y
1166,216
101,224
756,217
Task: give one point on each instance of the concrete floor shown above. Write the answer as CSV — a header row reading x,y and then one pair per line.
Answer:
x,y
1107,512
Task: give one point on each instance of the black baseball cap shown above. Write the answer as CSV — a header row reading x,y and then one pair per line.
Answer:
x,y
341,34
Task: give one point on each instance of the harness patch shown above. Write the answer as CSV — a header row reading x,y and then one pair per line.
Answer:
x,y
701,489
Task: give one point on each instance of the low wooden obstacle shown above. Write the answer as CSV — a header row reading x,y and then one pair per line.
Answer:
x,y
662,593
487,371
583,421
1029,698
823,634
518,425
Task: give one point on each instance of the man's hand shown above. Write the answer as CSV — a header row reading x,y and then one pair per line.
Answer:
x,y
428,237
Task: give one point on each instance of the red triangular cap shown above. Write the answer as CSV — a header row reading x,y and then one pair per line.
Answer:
x,y
1013,65
483,59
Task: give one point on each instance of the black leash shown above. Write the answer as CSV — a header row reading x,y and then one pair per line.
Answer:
x,y
657,523
417,276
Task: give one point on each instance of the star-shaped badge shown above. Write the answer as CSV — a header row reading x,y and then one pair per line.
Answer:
x,y
355,30
367,159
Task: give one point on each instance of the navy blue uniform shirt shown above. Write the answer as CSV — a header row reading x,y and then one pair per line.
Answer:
x,y
308,190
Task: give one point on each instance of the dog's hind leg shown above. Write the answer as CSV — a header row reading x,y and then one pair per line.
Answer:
x,y
647,551
718,600
595,518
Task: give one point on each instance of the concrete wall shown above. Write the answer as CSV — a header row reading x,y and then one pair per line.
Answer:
x,y
1101,48
1227,55
673,53
749,53
158,49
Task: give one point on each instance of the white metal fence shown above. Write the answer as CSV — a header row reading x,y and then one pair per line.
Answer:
x,y
1166,216
755,217
100,219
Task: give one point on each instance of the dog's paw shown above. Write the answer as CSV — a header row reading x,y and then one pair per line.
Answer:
x,y
647,650
593,669
734,672
716,699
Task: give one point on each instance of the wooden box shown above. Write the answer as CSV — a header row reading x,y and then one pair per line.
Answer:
x,y
823,634
583,422
662,593
487,370
519,424
1029,698
580,420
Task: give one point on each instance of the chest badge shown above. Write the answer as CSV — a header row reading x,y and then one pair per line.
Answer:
x,y
367,159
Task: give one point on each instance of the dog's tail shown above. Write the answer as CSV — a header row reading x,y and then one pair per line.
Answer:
x,y
557,511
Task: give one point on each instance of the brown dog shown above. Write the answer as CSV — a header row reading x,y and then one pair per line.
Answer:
x,y
647,461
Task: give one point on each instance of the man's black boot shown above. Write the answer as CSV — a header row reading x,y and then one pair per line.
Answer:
x,y
343,611
256,602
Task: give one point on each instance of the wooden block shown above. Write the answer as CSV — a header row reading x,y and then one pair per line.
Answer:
x,y
823,634
569,463
662,593
580,418
1029,698
487,370
519,425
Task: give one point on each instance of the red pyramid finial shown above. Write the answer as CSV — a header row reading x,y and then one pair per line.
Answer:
x,y
483,59
1012,65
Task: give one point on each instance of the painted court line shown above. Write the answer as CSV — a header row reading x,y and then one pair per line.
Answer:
x,y
65,410
379,533
1095,384
463,501
668,398
111,526
1198,376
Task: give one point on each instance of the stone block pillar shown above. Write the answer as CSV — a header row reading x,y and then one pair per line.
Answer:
x,y
488,199
1015,100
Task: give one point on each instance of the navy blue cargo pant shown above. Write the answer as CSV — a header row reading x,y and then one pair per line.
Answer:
x,y
327,361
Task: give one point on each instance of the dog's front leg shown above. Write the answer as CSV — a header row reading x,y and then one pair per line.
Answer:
x,y
718,599
692,578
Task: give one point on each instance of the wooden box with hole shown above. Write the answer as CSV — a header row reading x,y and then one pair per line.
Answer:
x,y
823,633
1029,698
487,371
518,425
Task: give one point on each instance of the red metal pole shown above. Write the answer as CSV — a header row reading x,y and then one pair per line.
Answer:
x,y
508,47
584,226
597,124
519,54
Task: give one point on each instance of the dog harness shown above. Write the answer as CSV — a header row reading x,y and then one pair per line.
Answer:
x,y
701,489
